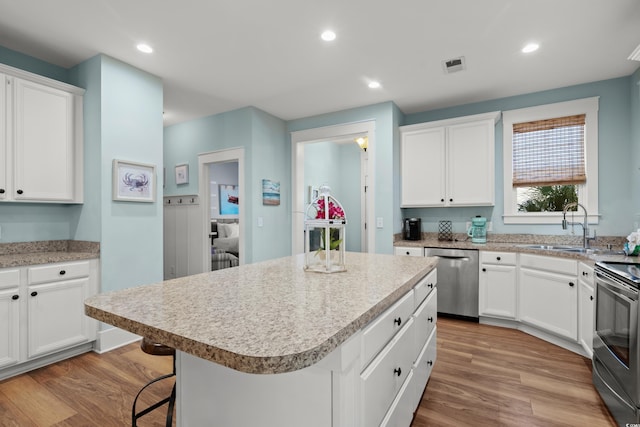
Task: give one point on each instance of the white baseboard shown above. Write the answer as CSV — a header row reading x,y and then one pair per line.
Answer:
x,y
113,338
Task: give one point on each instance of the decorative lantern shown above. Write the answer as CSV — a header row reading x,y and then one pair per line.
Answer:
x,y
324,237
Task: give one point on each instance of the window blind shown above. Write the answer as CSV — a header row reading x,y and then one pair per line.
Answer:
x,y
549,152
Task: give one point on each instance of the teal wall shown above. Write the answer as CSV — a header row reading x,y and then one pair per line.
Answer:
x,y
615,168
267,156
385,117
33,65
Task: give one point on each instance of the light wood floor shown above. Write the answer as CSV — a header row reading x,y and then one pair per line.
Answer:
x,y
484,376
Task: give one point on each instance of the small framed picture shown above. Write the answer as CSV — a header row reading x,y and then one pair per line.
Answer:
x,y
134,182
182,173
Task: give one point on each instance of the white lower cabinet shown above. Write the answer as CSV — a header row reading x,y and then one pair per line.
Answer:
x,y
498,293
9,317
408,251
549,294
586,309
44,312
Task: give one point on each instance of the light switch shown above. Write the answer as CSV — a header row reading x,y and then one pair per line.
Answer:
x,y
260,221
379,222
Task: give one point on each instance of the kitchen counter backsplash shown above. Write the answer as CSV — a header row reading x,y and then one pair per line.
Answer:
x,y
616,242
46,252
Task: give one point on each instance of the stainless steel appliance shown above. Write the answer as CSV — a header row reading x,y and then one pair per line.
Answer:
x,y
616,356
457,281
412,229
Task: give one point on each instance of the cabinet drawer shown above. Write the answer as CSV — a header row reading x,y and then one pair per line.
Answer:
x,y
424,287
382,380
423,367
585,272
425,320
9,278
507,258
549,264
382,329
401,414
408,251
55,272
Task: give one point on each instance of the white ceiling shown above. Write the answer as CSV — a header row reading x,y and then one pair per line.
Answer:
x,y
216,56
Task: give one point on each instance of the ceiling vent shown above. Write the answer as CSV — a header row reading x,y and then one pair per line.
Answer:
x,y
635,55
453,65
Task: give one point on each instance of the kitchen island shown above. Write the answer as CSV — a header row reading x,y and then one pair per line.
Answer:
x,y
312,333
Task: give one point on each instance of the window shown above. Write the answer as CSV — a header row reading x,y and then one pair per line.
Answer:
x,y
550,159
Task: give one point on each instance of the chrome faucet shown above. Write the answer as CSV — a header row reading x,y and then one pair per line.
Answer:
x,y
585,226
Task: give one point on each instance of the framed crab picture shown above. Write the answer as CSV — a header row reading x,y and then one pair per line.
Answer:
x,y
134,182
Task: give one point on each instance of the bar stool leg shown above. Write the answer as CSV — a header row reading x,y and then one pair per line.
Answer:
x,y
170,399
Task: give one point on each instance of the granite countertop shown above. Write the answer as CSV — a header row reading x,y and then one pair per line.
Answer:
x,y
518,242
267,317
46,252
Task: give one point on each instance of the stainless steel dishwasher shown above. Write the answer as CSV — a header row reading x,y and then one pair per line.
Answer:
x,y
457,281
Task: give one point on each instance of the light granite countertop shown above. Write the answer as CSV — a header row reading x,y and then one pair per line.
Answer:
x,y
267,317
46,252
519,242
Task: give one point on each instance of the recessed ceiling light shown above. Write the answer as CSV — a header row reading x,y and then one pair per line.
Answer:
x,y
143,47
328,36
374,84
531,47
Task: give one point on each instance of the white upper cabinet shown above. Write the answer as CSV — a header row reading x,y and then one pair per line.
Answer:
x,y
41,124
449,162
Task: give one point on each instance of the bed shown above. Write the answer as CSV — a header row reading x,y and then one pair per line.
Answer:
x,y
228,236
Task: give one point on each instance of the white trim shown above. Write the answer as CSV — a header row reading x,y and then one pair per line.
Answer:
x,y
589,199
113,338
220,156
26,75
298,139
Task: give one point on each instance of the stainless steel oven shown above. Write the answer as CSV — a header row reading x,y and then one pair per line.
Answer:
x,y
616,356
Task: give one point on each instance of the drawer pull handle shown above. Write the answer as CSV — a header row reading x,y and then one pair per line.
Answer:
x,y
591,297
584,273
442,200
430,363
498,258
15,297
407,252
1,190
430,285
484,269
398,321
430,319
397,371
63,272
19,191
571,284
34,293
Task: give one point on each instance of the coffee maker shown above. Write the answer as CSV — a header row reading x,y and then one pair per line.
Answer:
x,y
412,229
478,230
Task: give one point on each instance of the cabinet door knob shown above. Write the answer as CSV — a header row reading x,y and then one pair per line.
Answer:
x,y
19,191
15,297
34,293
430,363
397,371
498,258
584,273
451,200
571,284
430,319
430,285
398,321
407,252
591,297
63,272
1,190
442,200
484,269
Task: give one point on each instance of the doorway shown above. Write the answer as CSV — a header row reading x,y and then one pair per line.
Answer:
x,y
321,146
221,175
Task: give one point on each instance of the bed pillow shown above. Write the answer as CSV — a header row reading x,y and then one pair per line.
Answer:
x,y
233,229
222,230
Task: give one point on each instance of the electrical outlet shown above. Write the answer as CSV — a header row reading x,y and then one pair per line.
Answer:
x,y
379,222
467,225
489,225
260,221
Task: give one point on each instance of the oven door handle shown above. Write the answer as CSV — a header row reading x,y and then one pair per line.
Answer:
x,y
621,290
